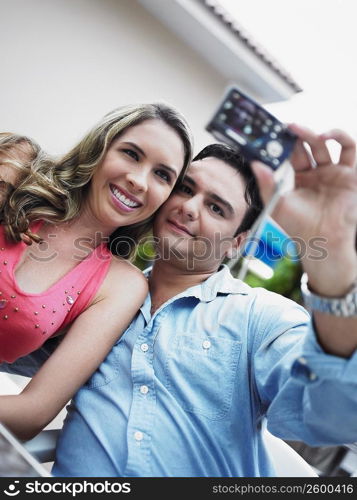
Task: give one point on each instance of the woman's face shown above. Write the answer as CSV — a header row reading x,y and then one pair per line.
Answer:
x,y
136,175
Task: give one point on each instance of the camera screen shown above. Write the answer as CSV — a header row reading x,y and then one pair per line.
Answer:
x,y
244,117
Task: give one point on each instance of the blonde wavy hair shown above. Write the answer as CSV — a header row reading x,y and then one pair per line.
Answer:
x,y
54,190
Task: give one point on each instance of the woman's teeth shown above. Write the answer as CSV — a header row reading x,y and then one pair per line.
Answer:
x,y
126,201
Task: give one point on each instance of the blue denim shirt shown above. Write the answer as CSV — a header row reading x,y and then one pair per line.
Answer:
x,y
184,392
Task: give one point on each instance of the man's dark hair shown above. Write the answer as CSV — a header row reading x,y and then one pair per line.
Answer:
x,y
251,195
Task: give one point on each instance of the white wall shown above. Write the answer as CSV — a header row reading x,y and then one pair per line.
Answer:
x,y
65,63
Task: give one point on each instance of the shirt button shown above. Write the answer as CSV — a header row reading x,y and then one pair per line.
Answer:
x,y
138,435
206,344
144,389
144,347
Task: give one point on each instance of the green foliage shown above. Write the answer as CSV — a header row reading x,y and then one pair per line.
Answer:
x,y
144,255
286,279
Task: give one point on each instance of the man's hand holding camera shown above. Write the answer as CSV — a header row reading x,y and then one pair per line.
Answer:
x,y
322,204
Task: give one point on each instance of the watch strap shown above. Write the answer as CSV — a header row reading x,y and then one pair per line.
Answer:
x,y
345,306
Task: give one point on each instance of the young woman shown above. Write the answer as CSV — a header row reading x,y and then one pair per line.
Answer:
x,y
61,223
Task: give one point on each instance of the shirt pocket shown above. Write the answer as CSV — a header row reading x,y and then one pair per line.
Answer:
x,y
114,363
107,370
200,373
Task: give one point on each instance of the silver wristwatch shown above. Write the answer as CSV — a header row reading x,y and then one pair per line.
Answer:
x,y
340,306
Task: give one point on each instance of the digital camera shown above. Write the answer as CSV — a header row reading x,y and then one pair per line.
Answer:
x,y
244,124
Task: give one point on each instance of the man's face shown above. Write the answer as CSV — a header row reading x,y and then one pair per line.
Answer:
x,y
198,222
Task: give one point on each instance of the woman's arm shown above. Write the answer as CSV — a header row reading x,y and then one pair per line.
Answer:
x,y
79,354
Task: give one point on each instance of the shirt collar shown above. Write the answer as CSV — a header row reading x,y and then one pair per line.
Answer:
x,y
221,282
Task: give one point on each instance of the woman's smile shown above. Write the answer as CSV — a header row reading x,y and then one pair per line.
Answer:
x,y
123,200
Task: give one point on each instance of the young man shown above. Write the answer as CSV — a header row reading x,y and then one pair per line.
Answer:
x,y
184,391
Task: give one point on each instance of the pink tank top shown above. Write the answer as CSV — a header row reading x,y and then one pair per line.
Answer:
x,y
27,320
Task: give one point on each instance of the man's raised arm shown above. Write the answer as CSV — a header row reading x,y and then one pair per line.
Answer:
x,y
323,207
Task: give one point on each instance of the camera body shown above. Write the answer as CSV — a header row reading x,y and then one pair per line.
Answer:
x,y
244,124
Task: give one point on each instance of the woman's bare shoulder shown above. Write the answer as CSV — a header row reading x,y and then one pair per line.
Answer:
x,y
121,269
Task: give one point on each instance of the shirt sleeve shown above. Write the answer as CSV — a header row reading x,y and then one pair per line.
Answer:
x,y
305,393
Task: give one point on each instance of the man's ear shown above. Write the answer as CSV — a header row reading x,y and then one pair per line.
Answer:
x,y
237,242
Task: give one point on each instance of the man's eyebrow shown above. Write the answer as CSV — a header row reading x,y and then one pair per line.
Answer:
x,y
214,196
139,150
223,202
189,179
